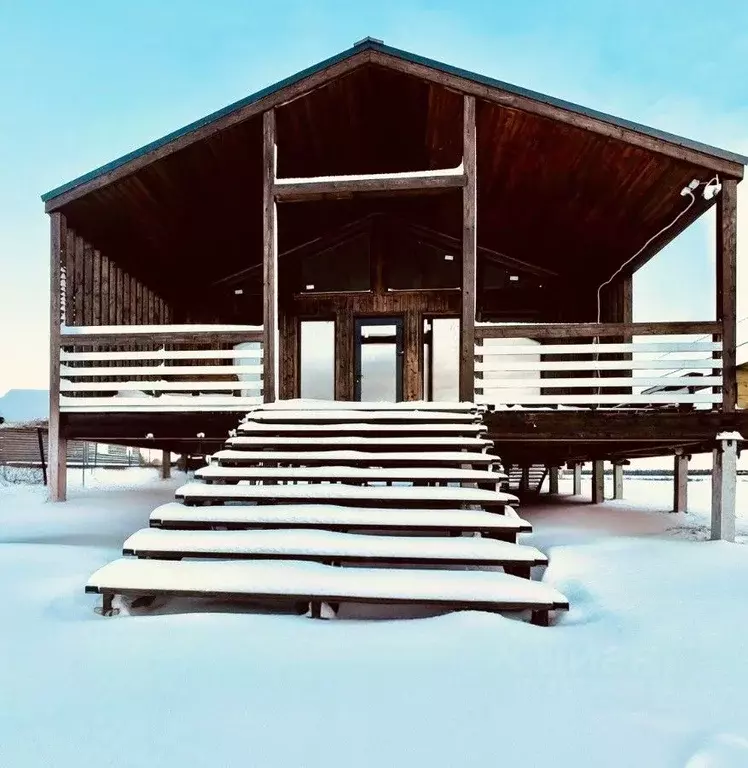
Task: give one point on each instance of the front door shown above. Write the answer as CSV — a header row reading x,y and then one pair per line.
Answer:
x,y
379,359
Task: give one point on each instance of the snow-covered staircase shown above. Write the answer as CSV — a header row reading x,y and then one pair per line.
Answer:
x,y
307,496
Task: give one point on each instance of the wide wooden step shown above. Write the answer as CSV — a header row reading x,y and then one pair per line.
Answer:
x,y
427,428
296,582
331,546
398,443
340,518
348,405
238,458
446,496
331,473
339,416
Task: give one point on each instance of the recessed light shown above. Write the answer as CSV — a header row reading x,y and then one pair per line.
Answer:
x,y
239,291
448,257
310,288
514,278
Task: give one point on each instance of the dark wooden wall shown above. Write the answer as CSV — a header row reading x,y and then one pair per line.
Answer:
x,y
96,291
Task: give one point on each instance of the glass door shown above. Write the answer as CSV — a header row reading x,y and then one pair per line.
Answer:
x,y
379,359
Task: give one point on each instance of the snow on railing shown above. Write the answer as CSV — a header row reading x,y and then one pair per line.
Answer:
x,y
160,368
633,365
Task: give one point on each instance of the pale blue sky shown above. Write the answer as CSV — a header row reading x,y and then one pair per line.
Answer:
x,y
82,82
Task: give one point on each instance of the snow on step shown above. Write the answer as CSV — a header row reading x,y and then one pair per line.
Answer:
x,y
175,515
334,405
293,579
197,492
399,442
331,544
255,427
358,474
227,457
339,415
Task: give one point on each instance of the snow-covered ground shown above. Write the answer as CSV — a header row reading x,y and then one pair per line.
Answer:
x,y
647,669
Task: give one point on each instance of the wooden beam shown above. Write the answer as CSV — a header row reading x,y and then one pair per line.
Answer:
x,y
578,119
469,248
553,481
592,330
165,464
727,289
57,448
331,187
269,259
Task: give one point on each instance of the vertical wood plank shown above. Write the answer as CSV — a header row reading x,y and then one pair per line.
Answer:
x,y
344,362
57,442
269,259
413,356
80,287
553,481
105,290
95,287
469,248
577,486
727,225
70,277
88,286
680,483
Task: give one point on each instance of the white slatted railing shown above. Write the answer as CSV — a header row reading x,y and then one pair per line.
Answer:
x,y
538,372
160,368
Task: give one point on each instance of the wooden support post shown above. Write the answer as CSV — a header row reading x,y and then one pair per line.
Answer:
x,y
57,446
680,483
577,489
269,260
165,465
469,249
598,481
727,213
617,480
724,486
524,482
553,481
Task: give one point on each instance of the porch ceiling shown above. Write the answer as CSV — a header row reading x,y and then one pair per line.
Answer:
x,y
550,193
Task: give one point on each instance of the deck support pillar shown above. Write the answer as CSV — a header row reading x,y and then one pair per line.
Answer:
x,y
57,449
469,252
680,482
618,479
553,481
524,481
269,262
165,465
598,481
726,304
577,488
724,484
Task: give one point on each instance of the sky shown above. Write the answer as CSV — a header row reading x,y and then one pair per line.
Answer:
x,y
82,82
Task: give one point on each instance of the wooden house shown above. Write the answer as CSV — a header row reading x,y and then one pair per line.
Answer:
x,y
384,226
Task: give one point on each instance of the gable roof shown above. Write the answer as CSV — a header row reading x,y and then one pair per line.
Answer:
x,y
371,50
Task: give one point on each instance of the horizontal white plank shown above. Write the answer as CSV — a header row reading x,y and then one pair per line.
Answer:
x,y
599,349
163,354
144,330
602,382
158,386
310,544
334,516
496,364
672,398
161,370
313,580
165,404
